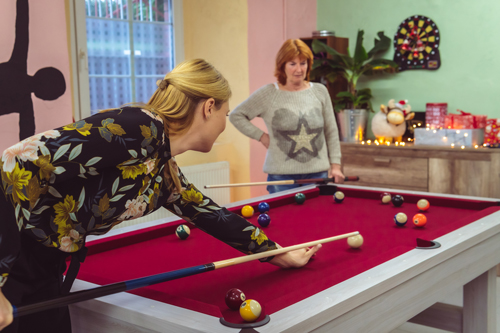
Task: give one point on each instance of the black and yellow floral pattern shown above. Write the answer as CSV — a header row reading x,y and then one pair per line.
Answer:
x,y
86,177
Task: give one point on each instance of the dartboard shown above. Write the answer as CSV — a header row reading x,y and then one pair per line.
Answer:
x,y
416,44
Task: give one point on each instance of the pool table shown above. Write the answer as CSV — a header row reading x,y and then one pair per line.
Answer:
x,y
375,288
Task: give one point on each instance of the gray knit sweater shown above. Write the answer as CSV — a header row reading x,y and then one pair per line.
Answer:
x,y
301,125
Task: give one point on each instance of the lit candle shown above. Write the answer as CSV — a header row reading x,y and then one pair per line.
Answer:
x,y
463,147
476,146
419,124
445,138
414,126
362,142
396,143
458,132
402,143
452,145
466,134
427,129
434,131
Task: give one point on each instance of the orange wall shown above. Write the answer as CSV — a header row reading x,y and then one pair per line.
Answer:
x,y
270,23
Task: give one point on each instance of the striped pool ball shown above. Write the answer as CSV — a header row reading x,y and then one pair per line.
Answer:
x,y
250,310
338,197
400,219
182,231
385,198
423,205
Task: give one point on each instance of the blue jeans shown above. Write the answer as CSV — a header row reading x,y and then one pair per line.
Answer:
x,y
278,188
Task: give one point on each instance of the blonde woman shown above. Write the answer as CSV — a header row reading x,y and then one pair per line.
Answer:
x,y
62,185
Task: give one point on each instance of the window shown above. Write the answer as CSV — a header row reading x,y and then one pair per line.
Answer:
x,y
128,46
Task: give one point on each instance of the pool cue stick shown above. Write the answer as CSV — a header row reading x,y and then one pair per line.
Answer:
x,y
85,295
285,182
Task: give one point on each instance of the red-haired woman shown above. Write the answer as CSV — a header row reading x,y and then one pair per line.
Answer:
x,y
302,138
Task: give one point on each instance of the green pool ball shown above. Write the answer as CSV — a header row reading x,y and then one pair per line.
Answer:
x,y
300,198
182,231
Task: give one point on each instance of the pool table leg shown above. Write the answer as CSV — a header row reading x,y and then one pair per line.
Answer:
x,y
479,311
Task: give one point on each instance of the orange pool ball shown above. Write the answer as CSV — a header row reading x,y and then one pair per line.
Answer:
x,y
423,205
419,220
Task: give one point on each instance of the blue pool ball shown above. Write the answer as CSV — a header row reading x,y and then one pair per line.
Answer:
x,y
263,207
264,220
400,219
338,197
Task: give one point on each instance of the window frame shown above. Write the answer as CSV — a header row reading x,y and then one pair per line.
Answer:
x,y
79,59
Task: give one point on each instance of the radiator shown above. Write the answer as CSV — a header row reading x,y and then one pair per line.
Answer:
x,y
199,175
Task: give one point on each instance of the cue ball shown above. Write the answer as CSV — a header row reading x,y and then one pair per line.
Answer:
x,y
397,200
385,198
423,205
250,310
355,241
263,207
234,298
247,211
182,231
264,220
400,219
338,197
419,220
300,198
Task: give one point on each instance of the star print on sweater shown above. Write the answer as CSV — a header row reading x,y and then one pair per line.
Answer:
x,y
303,139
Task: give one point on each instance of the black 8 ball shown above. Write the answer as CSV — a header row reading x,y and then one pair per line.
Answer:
x,y
397,200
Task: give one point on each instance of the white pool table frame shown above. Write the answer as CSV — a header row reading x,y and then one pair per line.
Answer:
x,y
378,300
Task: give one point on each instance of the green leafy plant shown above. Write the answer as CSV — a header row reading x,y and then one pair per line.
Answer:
x,y
351,68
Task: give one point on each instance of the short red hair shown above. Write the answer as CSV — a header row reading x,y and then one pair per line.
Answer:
x,y
291,49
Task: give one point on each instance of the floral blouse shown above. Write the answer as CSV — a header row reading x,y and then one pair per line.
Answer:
x,y
86,177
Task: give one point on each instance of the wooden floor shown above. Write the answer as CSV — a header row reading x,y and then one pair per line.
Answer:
x,y
455,299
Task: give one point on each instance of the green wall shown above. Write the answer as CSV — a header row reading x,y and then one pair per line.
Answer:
x,y
470,50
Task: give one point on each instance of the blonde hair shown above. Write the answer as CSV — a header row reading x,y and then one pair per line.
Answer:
x,y
178,95
289,50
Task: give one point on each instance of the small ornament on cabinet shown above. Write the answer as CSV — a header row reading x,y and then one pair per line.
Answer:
x,y
389,124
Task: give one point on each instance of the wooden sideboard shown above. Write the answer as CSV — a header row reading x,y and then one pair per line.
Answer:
x,y
469,171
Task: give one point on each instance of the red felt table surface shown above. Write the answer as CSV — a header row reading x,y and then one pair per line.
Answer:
x,y
157,250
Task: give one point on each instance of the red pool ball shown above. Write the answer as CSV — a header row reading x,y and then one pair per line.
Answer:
x,y
385,198
234,298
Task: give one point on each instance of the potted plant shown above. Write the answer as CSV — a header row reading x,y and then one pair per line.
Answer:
x,y
352,105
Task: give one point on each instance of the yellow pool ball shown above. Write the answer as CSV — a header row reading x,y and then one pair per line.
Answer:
x,y
250,310
247,211
355,241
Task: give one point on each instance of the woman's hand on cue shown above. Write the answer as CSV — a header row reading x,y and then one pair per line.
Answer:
x,y
6,316
295,259
335,172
